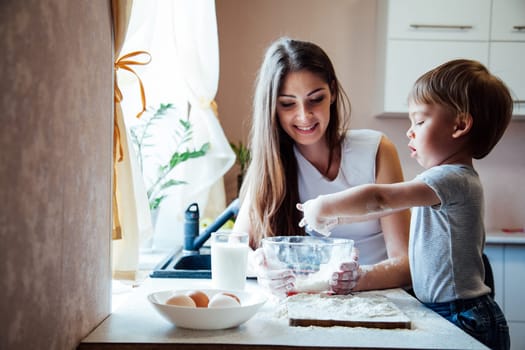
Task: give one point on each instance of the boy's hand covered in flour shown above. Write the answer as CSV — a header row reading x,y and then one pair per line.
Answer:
x,y
314,218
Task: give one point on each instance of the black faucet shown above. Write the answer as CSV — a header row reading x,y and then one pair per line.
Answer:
x,y
192,240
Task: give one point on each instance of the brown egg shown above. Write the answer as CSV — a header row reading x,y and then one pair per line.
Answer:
x,y
199,297
181,300
223,300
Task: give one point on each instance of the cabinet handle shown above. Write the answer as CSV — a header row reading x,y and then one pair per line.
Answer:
x,y
518,28
440,26
517,102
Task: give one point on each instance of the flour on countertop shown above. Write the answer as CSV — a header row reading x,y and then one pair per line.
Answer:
x,y
362,306
311,284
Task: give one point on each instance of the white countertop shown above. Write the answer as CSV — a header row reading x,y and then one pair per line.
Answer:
x,y
500,237
136,324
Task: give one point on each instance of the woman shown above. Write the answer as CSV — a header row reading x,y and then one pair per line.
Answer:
x,y
301,148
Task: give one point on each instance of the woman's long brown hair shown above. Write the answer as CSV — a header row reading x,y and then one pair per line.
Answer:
x,y
271,183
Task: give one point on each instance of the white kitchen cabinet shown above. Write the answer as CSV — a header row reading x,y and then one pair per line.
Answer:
x,y
508,267
507,48
439,20
517,335
508,20
407,60
421,34
495,255
507,62
514,283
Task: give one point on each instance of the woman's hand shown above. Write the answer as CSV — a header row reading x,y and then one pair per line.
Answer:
x,y
279,281
346,278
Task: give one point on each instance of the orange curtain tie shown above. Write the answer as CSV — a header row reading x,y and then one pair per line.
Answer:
x,y
124,62
209,104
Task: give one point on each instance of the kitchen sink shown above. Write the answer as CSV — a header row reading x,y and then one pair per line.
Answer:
x,y
180,265
194,260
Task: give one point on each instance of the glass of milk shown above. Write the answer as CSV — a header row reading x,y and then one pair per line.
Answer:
x,y
229,259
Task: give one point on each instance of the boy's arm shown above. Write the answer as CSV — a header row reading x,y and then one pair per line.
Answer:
x,y
393,271
366,202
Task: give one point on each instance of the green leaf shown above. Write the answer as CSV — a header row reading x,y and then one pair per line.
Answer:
x,y
178,158
172,182
242,153
204,148
185,124
154,204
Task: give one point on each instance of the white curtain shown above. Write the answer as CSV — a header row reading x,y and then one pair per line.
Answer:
x,y
181,36
197,44
130,213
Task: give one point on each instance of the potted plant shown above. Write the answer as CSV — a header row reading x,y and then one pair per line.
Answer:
x,y
243,156
143,137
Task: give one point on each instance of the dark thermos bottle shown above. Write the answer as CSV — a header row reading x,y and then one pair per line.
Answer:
x,y
191,226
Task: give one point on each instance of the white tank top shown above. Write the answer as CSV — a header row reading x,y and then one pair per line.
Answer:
x,y
358,166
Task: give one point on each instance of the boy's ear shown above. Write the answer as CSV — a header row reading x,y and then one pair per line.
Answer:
x,y
463,125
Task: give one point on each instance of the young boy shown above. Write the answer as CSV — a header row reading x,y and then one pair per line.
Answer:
x,y
458,112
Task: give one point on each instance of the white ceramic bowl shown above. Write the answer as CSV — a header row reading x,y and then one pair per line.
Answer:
x,y
208,318
313,260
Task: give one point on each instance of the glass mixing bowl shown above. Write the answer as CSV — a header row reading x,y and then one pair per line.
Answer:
x,y
313,260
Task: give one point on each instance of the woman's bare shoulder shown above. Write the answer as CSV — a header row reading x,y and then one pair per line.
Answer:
x,y
388,165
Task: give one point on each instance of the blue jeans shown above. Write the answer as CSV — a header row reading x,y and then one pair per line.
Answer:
x,y
480,317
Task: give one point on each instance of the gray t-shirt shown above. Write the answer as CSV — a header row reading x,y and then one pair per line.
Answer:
x,y
447,240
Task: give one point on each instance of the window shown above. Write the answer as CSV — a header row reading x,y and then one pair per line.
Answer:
x,y
181,38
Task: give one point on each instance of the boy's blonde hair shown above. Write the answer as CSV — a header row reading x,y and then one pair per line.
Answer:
x,y
467,87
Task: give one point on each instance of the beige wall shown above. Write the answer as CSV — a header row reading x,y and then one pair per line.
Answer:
x,y
346,29
55,171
